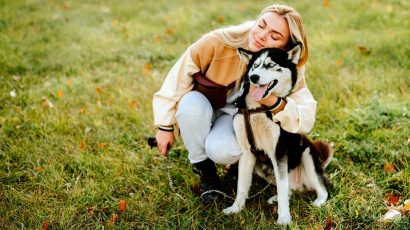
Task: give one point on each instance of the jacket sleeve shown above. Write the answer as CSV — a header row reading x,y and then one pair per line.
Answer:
x,y
178,82
299,113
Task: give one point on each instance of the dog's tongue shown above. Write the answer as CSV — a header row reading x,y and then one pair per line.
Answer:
x,y
259,92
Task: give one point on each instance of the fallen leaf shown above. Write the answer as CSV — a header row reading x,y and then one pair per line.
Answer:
x,y
82,145
392,214
393,200
112,219
407,205
98,89
39,169
66,6
45,225
363,50
169,31
147,69
157,38
46,103
122,205
326,3
388,167
81,110
114,22
59,93
220,19
90,211
133,104
328,223
101,145
13,93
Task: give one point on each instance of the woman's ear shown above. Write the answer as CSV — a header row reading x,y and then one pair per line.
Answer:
x,y
294,53
245,55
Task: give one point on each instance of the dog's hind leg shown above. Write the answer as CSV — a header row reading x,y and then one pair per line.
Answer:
x,y
245,171
312,179
282,185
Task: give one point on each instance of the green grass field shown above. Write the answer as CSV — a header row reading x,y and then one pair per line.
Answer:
x,y
76,83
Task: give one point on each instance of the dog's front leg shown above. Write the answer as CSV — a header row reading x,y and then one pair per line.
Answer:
x,y
245,171
282,185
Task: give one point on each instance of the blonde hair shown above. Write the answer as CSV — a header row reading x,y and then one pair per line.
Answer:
x,y
238,36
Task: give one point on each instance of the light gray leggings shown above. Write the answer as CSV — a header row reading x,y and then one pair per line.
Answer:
x,y
206,133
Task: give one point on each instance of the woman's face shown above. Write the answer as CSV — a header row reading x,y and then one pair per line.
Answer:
x,y
271,31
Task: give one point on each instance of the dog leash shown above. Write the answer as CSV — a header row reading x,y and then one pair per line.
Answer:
x,y
152,142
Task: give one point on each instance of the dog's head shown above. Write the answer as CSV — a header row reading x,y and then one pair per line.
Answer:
x,y
271,70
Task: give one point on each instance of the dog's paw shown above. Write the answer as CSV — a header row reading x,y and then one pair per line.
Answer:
x,y
231,210
319,201
284,219
273,199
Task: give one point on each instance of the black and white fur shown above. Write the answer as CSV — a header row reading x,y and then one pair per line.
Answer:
x,y
298,163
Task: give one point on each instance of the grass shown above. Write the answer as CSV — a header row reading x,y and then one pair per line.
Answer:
x,y
72,139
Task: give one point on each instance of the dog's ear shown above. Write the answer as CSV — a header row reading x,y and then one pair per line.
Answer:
x,y
294,53
245,55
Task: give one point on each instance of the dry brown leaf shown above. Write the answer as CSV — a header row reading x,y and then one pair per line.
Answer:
x,y
363,50
98,89
60,93
101,145
45,225
393,200
326,3
39,169
133,104
147,69
157,38
112,219
66,6
328,223
220,19
46,103
169,31
81,110
339,63
90,211
388,167
122,205
82,145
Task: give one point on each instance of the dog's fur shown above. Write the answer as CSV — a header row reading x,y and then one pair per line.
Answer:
x,y
298,163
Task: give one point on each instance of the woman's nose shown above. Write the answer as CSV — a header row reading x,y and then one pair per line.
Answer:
x,y
263,34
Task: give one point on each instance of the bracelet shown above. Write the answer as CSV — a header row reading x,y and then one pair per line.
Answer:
x,y
166,128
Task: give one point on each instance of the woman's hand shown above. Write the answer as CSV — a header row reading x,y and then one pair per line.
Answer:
x,y
268,101
164,141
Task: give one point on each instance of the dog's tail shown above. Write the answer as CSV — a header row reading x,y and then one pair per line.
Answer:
x,y
325,151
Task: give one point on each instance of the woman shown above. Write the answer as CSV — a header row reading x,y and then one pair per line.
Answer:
x,y
207,131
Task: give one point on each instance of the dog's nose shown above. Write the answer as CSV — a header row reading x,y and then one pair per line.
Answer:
x,y
254,78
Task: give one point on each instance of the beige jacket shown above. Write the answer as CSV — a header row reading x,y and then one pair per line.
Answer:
x,y
220,64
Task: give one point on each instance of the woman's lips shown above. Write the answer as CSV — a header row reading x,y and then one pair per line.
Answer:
x,y
258,43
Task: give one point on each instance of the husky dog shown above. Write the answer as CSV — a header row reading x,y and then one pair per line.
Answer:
x,y
298,163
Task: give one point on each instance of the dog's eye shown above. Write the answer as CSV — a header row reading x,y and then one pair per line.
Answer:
x,y
279,70
255,65
270,65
